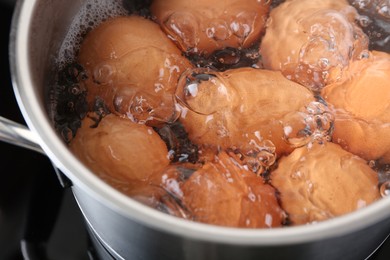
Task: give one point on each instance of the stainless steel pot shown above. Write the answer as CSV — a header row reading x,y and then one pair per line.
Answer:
x,y
128,229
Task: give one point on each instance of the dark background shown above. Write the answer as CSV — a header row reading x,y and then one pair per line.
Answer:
x,y
30,193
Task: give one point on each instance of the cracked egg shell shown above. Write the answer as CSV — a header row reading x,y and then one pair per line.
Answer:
x,y
119,150
361,101
133,66
205,26
322,182
308,40
226,194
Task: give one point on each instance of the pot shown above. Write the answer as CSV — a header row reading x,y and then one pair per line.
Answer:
x,y
127,229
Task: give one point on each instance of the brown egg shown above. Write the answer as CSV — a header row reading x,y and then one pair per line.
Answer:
x,y
205,26
361,102
249,110
226,194
322,182
133,66
119,150
309,39
164,190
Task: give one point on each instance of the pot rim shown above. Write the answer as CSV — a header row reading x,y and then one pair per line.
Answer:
x,y
37,121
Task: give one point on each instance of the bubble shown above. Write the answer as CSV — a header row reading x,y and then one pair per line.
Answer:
x,y
383,173
384,9
257,156
385,189
364,21
90,15
205,86
332,41
318,123
192,89
302,138
141,107
241,26
227,57
365,54
185,26
362,4
372,164
251,196
218,30
103,73
324,63
378,28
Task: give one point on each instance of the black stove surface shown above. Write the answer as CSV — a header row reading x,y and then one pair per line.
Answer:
x,y
28,178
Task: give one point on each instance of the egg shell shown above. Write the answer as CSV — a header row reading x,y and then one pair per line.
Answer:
x,y
223,193
244,107
361,104
205,26
307,39
119,150
133,66
320,182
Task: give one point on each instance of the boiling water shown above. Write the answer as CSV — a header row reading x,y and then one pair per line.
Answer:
x,y
69,94
375,17
90,15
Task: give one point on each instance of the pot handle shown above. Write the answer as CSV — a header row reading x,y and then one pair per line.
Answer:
x,y
17,134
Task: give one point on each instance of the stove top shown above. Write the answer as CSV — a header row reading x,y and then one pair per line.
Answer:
x,y
34,207
30,193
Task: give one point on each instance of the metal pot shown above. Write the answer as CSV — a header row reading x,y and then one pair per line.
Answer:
x,y
127,229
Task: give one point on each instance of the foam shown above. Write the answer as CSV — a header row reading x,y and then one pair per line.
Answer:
x,y
92,13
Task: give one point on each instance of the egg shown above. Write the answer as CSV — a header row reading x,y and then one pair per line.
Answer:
x,y
249,110
225,194
204,26
243,144
133,68
311,40
119,151
361,104
320,182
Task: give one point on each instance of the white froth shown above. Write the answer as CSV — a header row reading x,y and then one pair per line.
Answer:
x,y
90,15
